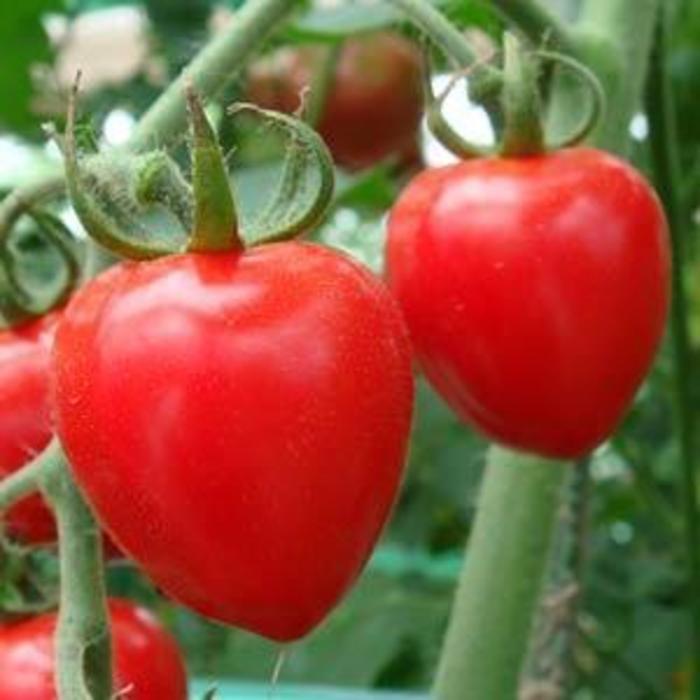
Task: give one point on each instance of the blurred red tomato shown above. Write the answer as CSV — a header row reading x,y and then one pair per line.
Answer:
x,y
374,105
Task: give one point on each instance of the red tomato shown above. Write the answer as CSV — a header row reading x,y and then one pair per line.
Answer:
x,y
25,426
535,291
239,422
146,658
374,106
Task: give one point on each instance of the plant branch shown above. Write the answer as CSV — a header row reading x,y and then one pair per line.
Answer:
x,y
83,646
28,479
666,168
500,584
537,23
442,32
211,70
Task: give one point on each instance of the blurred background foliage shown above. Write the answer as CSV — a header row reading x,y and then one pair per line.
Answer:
x,y
632,620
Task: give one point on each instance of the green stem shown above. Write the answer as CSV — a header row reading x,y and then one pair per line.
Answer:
x,y
537,23
500,583
666,167
27,479
211,70
83,647
484,87
442,32
522,134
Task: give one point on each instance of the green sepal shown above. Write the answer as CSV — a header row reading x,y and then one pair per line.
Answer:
x,y
136,206
215,226
305,186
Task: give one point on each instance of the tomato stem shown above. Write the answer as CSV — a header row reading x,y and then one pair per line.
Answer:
x,y
523,134
666,170
499,585
27,480
210,70
83,645
537,23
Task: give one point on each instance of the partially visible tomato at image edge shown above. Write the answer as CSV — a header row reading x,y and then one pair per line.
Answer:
x,y
147,662
25,422
535,290
239,423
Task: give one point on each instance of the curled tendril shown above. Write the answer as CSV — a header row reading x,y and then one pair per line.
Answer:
x,y
596,108
463,148
438,125
18,301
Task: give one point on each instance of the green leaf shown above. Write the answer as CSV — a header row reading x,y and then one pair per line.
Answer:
x,y
24,44
351,18
336,23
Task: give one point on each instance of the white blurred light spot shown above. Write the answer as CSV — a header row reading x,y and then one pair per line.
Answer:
x,y
466,118
13,155
52,150
621,532
118,127
346,219
639,127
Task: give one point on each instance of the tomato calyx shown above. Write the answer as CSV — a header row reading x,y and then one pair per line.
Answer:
x,y
305,185
518,88
141,206
24,297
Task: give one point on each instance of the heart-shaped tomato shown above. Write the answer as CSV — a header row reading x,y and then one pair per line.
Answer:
x,y
239,422
535,291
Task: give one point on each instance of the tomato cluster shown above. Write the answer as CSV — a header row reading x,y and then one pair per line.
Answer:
x,y
239,420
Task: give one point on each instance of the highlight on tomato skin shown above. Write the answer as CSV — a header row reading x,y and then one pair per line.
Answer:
x,y
25,422
374,105
147,661
536,292
219,408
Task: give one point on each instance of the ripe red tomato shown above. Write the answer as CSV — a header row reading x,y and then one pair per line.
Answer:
x,y
25,426
146,658
374,106
239,422
535,291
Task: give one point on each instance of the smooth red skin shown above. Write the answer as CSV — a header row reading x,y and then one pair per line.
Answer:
x,y
374,106
535,291
25,425
240,424
146,658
